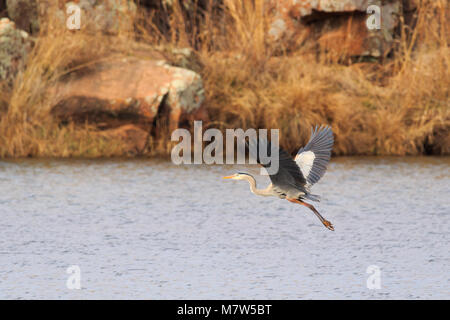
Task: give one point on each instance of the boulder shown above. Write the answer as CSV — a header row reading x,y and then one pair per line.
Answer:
x,y
24,13
108,16
14,47
128,91
338,26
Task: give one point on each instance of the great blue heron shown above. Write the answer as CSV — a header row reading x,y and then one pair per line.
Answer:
x,y
296,176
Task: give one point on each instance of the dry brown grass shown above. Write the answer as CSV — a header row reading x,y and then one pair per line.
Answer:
x,y
399,114
398,108
27,128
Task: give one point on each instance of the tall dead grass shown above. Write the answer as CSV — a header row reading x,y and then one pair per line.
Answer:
x,y
400,107
26,125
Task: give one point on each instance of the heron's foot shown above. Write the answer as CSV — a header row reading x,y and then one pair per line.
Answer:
x,y
328,225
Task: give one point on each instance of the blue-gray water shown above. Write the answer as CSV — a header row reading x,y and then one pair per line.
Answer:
x,y
149,229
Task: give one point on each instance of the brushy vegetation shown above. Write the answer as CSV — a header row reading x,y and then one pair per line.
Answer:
x,y
398,107
27,127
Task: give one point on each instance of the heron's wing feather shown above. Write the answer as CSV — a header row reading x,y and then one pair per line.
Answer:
x,y
314,157
288,177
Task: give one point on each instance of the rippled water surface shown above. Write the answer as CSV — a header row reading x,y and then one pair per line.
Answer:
x,y
149,229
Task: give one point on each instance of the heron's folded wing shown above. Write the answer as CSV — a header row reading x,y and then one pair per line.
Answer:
x,y
314,157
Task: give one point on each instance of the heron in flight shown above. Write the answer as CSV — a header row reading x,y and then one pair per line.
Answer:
x,y
296,176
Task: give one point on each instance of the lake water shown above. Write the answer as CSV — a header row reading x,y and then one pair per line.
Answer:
x,y
147,229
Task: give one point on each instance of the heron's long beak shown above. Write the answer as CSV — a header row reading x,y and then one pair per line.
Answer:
x,y
228,177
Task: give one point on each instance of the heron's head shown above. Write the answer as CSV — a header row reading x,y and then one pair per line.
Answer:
x,y
238,176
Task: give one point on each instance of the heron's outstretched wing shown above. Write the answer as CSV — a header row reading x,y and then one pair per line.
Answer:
x,y
289,177
314,157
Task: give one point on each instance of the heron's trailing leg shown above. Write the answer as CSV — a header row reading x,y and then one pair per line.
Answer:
x,y
325,222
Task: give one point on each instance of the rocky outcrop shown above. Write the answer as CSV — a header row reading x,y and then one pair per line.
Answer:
x,y
14,46
129,91
24,13
127,99
338,26
108,16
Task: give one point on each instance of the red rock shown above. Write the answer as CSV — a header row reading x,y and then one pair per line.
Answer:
x,y
2,8
339,26
128,91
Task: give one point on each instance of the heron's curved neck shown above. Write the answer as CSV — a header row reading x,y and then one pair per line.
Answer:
x,y
259,192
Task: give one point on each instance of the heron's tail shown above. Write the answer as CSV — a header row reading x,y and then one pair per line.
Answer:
x,y
312,197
